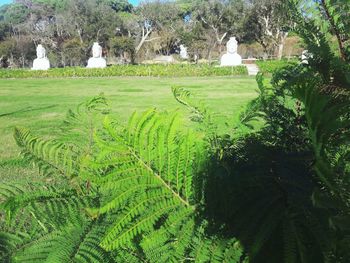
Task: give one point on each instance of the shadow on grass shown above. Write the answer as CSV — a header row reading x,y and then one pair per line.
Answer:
x,y
27,109
15,162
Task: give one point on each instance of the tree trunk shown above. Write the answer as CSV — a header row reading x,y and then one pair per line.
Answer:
x,y
220,43
210,49
143,39
281,45
63,61
280,51
80,36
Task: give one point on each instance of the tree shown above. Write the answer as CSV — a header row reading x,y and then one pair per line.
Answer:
x,y
83,19
73,52
156,16
268,23
123,46
121,5
221,18
7,48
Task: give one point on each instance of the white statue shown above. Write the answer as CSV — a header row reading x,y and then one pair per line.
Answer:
x,y
97,61
231,58
41,62
305,56
183,52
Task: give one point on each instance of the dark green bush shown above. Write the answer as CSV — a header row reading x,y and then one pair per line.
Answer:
x,y
128,70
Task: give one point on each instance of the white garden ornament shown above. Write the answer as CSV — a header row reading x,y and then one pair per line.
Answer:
x,y
41,62
305,56
97,61
183,52
231,58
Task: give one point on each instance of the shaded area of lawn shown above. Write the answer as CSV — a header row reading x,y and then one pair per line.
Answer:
x,y
41,104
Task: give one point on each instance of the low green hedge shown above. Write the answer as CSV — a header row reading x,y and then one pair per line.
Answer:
x,y
269,66
128,70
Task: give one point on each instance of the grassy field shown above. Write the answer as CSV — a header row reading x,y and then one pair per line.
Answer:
x,y
41,105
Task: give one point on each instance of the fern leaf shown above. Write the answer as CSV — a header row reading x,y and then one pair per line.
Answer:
x,y
148,177
52,157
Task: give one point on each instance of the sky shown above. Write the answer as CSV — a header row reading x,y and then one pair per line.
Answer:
x,y
5,2
2,2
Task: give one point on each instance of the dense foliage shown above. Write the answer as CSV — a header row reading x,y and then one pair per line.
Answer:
x,y
154,190
129,70
287,186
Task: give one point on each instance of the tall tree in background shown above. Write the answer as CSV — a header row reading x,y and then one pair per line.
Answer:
x,y
268,23
91,20
157,18
220,18
121,5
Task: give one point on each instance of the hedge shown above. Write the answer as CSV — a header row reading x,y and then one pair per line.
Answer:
x,y
128,70
269,66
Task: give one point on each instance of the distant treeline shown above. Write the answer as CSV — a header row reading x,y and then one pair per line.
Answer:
x,y
129,34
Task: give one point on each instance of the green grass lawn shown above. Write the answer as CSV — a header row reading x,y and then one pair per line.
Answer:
x,y
41,105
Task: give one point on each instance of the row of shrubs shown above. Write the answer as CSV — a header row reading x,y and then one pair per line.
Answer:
x,y
269,66
128,70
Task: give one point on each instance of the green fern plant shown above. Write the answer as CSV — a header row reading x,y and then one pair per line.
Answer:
x,y
40,217
80,124
48,224
147,174
51,157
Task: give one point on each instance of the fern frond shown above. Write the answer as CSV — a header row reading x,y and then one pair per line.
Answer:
x,y
215,249
8,243
72,243
328,125
80,124
141,192
171,242
51,157
54,224
200,112
147,178
55,205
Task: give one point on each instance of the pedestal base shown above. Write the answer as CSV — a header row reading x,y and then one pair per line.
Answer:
x,y
96,63
41,64
231,60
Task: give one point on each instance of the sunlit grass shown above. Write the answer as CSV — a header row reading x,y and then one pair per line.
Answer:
x,y
41,104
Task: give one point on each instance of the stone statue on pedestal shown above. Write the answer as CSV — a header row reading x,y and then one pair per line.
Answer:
x,y
231,58
41,62
183,52
97,61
